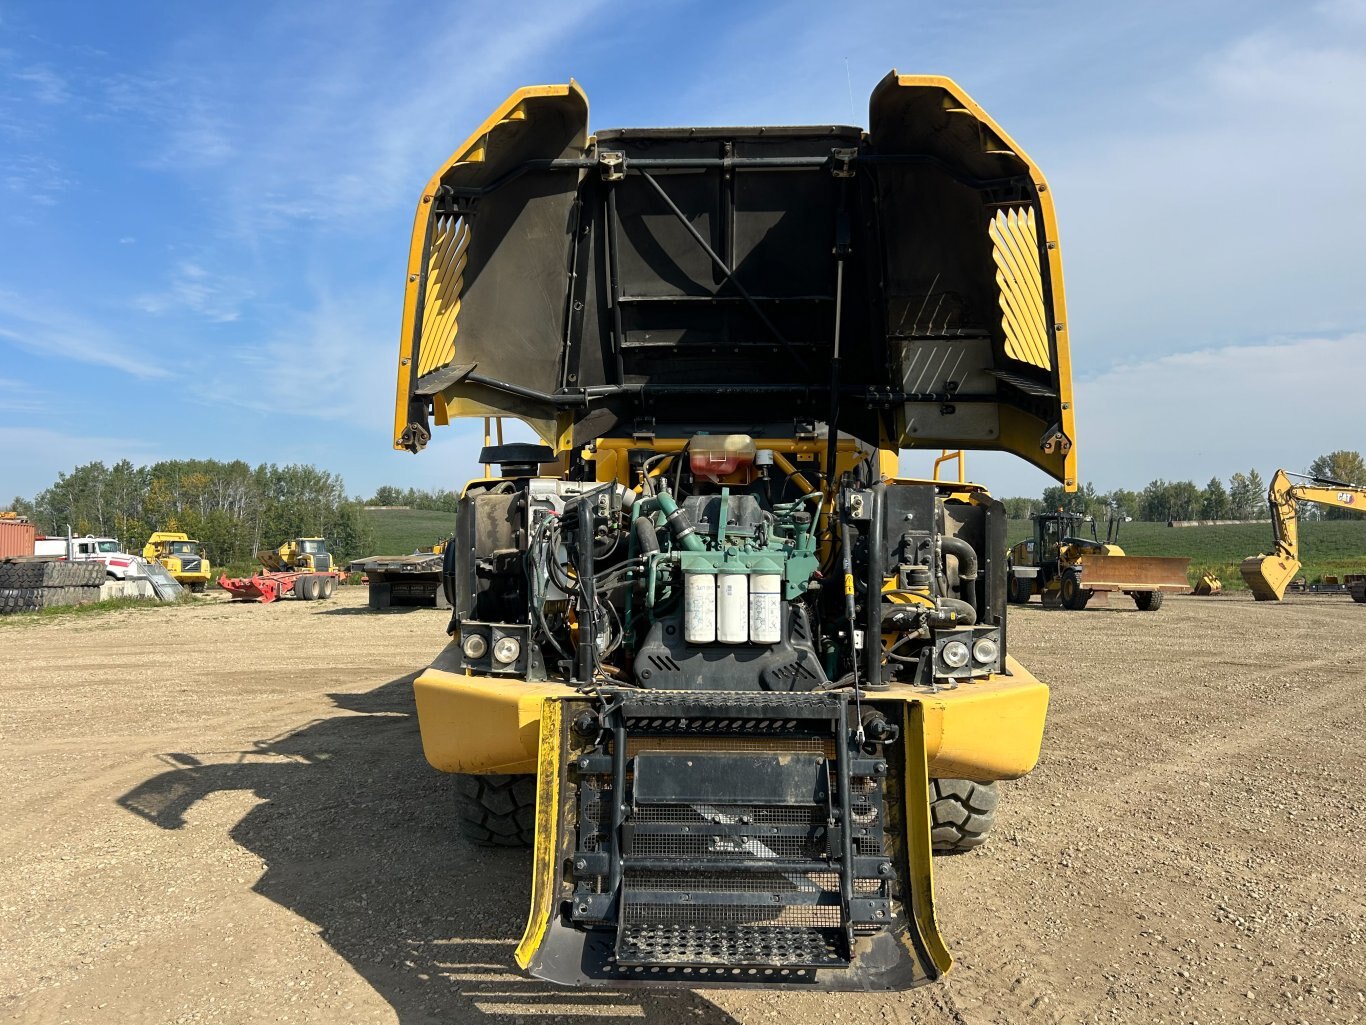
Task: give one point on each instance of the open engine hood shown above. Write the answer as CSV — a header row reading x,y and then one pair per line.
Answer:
x,y
668,280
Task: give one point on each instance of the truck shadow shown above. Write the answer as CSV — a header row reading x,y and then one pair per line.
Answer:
x,y
357,836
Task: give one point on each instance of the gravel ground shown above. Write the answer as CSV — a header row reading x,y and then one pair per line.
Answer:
x,y
221,813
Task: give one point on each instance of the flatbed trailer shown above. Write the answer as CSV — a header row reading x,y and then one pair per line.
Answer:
x,y
267,587
403,580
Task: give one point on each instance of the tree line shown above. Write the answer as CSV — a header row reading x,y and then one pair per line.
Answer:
x,y
234,508
1243,497
414,498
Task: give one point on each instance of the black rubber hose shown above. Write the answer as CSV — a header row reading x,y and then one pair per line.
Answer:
x,y
967,567
647,540
964,613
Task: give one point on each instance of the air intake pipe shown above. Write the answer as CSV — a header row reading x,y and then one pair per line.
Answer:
x,y
967,567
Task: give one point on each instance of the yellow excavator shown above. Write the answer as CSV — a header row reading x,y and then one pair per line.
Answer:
x,y
183,556
1268,575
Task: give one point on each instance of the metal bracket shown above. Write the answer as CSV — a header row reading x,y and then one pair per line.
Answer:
x,y
842,161
1054,440
612,165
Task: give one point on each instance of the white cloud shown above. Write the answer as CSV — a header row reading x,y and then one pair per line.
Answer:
x,y
356,118
57,335
1221,209
20,397
334,361
34,455
1207,413
44,85
32,180
212,296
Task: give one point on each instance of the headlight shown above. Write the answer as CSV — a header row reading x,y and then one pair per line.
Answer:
x,y
474,646
506,650
986,650
954,654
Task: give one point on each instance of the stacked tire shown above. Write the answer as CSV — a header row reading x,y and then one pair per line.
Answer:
x,y
30,584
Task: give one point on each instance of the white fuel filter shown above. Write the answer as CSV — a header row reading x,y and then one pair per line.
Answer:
x,y
732,608
699,608
765,608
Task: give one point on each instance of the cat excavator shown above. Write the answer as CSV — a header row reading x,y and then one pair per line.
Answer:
x,y
1268,575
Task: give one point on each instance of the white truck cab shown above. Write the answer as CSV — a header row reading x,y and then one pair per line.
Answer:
x,y
118,564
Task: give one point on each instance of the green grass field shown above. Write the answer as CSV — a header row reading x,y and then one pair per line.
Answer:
x,y
400,531
1326,546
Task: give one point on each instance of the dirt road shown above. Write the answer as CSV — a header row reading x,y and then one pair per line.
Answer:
x,y
220,813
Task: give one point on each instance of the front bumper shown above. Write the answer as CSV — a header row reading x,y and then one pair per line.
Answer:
x,y
702,874
985,730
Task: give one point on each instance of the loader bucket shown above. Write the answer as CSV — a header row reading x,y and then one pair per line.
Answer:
x,y
1133,573
1267,576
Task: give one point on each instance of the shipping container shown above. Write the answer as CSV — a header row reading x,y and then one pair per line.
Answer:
x,y
16,538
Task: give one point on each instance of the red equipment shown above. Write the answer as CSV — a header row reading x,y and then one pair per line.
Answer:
x,y
267,587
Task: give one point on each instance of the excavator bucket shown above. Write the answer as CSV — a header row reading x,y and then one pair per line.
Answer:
x,y
1209,584
1267,576
1133,573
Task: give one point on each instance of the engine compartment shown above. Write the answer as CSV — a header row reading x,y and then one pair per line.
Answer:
x,y
728,563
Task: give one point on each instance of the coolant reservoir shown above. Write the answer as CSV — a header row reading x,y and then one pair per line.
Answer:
x,y
765,608
699,608
719,455
732,608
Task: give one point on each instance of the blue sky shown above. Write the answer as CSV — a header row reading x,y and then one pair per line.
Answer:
x,y
204,208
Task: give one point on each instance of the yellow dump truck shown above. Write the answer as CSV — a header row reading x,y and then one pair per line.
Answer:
x,y
184,558
1061,564
728,672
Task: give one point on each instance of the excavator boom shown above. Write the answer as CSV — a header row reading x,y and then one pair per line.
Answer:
x,y
1268,575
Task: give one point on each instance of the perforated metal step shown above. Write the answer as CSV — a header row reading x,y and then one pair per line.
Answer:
x,y
734,945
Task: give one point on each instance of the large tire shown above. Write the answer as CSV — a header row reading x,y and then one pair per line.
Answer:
x,y
498,811
961,814
1148,601
329,586
306,587
1073,595
1019,589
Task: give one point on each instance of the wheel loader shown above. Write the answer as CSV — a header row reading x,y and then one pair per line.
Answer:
x,y
186,559
1063,566
729,673
1268,575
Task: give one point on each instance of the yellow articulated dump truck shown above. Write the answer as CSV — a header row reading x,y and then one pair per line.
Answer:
x,y
184,558
1268,575
730,674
